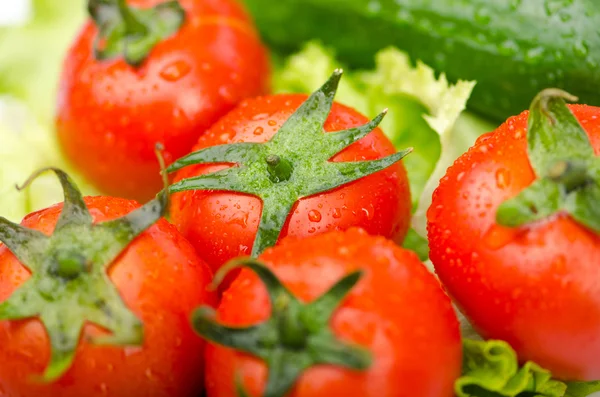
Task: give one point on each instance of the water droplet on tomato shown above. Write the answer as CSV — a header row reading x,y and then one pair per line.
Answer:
x,y
272,123
258,131
312,230
369,212
502,178
260,116
314,216
109,138
226,93
460,176
337,213
175,70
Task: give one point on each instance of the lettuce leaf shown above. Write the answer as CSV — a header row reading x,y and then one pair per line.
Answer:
x,y
27,146
491,369
583,389
32,54
425,112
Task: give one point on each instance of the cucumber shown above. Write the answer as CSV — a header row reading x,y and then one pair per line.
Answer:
x,y
512,48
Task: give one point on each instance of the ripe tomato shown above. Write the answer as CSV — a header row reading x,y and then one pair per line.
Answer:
x,y
223,225
160,279
534,286
110,115
397,311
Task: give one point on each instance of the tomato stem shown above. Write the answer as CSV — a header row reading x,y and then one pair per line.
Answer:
x,y
280,170
132,24
571,174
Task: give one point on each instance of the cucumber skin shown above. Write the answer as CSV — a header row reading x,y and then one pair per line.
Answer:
x,y
512,48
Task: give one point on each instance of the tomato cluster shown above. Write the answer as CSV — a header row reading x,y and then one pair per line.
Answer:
x,y
279,272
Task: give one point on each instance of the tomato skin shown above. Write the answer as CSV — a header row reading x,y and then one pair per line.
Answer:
x,y
223,225
397,310
110,115
536,286
159,277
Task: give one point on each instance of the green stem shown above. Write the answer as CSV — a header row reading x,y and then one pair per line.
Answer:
x,y
280,170
69,266
571,174
132,24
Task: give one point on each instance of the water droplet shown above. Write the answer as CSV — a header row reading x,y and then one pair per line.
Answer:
x,y
483,149
581,49
534,54
460,176
312,230
508,47
258,131
226,93
109,138
272,123
337,213
502,178
483,16
175,70
314,216
374,6
369,212
260,116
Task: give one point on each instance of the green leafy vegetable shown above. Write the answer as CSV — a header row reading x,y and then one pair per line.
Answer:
x,y
491,369
32,54
26,146
582,389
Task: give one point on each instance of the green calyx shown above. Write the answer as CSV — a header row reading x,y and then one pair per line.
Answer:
x,y
292,165
568,172
69,286
296,337
131,32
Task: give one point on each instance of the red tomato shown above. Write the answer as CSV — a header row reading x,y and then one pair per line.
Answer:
x,y
536,286
223,225
398,311
159,277
111,115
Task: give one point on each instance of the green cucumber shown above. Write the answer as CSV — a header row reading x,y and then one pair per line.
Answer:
x,y
512,48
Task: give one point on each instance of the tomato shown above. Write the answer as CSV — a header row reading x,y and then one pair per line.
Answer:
x,y
223,225
535,285
160,279
110,115
397,311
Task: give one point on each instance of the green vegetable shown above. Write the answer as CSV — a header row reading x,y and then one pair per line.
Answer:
x,y
32,55
25,147
293,164
490,369
582,389
69,286
423,110
513,49
563,159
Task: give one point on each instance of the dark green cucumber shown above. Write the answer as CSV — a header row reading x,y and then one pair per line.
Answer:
x,y
512,48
